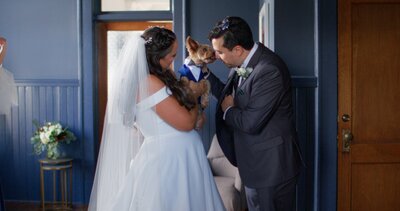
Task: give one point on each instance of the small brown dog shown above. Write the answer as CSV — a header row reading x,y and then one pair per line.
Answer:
x,y
200,54
193,72
195,68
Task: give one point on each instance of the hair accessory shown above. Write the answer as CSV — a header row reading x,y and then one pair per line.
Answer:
x,y
224,24
149,41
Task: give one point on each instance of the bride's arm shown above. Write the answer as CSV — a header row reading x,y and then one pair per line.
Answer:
x,y
171,111
3,44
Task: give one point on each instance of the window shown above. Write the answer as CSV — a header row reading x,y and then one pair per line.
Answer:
x,y
111,37
115,42
135,5
114,18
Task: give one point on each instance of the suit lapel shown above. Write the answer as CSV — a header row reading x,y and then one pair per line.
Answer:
x,y
254,60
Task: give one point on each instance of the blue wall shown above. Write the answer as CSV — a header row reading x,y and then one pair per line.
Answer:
x,y
42,38
44,55
294,35
51,54
328,105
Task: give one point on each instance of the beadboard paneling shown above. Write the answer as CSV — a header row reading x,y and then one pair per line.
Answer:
x,y
41,100
305,114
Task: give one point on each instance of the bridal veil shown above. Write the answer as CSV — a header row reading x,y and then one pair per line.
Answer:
x,y
121,139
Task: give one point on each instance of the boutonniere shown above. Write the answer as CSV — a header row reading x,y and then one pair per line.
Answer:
x,y
243,72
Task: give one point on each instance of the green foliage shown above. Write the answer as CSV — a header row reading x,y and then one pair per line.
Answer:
x,y
48,137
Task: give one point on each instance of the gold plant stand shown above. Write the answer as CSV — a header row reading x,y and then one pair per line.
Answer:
x,y
63,167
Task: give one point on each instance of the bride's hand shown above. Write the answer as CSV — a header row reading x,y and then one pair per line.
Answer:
x,y
200,121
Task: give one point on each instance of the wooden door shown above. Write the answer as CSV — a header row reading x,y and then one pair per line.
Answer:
x,y
369,105
102,58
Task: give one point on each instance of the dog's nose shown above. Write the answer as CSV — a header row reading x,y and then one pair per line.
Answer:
x,y
213,57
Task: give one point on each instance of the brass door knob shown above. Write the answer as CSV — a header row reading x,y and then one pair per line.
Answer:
x,y
347,138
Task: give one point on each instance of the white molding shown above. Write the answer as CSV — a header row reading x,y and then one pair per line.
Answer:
x,y
267,24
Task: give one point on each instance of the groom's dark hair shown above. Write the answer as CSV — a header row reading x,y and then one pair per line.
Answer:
x,y
235,31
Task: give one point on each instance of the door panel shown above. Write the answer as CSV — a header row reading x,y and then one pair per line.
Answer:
x,y
369,92
382,194
376,70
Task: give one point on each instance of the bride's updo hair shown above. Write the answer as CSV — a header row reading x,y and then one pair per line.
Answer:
x,y
158,43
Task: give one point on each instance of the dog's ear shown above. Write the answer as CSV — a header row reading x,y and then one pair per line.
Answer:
x,y
191,45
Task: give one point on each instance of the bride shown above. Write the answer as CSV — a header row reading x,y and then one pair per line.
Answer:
x,y
151,158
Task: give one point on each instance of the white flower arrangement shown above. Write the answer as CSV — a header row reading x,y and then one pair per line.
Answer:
x,y
48,137
243,72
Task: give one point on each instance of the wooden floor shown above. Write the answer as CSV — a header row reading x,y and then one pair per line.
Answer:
x,y
17,206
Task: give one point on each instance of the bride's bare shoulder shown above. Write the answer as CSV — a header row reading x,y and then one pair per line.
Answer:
x,y
155,83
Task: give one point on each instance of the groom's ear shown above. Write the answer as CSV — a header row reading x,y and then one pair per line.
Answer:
x,y
238,50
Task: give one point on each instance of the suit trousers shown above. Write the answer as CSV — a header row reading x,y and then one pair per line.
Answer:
x,y
281,197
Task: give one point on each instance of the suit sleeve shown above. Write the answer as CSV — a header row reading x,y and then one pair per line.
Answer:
x,y
216,85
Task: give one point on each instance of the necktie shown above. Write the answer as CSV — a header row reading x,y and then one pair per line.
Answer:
x,y
235,84
240,80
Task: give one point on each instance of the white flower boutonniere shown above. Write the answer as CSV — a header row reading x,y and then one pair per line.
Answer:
x,y
243,72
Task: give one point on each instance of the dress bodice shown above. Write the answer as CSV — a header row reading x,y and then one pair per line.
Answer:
x,y
168,161
149,123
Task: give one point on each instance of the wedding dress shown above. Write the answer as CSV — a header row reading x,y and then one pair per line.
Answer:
x,y
171,171
144,164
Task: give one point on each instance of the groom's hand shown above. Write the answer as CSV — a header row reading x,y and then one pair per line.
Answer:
x,y
227,102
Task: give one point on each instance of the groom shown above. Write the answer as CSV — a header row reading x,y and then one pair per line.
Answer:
x,y
254,117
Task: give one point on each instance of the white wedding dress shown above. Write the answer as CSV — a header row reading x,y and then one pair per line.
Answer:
x,y
170,171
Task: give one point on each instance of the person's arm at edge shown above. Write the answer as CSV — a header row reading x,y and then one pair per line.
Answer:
x,y
3,43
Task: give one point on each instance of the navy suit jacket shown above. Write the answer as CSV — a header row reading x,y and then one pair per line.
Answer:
x,y
185,71
258,134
